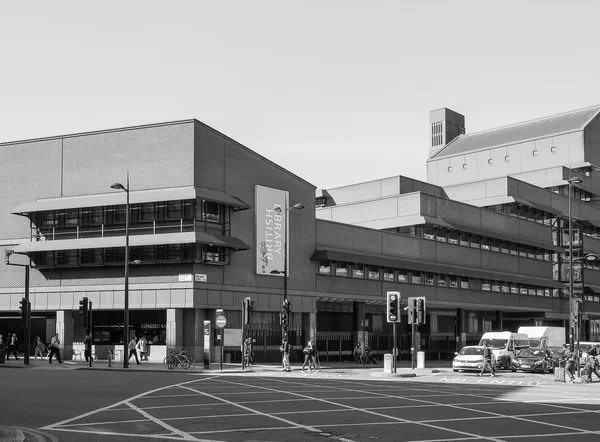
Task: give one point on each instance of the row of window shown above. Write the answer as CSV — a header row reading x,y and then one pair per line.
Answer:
x,y
365,271
156,254
139,213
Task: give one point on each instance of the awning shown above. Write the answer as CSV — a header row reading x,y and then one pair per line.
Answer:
x,y
221,197
135,197
403,263
134,241
502,236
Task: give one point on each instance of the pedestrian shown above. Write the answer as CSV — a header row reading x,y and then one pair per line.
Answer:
x,y
54,349
133,350
591,365
39,348
87,347
142,349
487,361
358,353
569,358
12,347
308,352
315,355
285,349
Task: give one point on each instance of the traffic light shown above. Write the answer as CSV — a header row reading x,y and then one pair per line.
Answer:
x,y
83,310
393,306
247,307
284,318
24,306
421,310
412,311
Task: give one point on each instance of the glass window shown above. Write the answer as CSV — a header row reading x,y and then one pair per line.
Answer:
x,y
402,275
495,286
514,249
522,251
453,281
485,243
486,285
505,247
532,291
523,290
212,253
415,277
540,292
428,232
464,239
441,234
66,258
325,267
92,216
495,245
475,241
171,253
441,280
373,272
358,270
429,279
452,236
530,252
388,274
505,288
514,288
341,268
464,283
90,257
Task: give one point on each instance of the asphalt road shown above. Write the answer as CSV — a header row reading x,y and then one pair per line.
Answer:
x,y
85,405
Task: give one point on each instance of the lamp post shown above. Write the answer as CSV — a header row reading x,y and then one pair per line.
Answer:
x,y
296,206
120,186
27,306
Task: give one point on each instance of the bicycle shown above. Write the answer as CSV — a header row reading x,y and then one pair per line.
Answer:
x,y
182,358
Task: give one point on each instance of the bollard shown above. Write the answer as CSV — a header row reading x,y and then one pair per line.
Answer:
x,y
110,357
420,359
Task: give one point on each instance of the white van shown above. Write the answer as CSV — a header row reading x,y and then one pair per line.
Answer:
x,y
544,337
504,345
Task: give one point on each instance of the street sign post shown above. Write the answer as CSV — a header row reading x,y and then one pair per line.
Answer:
x,y
221,322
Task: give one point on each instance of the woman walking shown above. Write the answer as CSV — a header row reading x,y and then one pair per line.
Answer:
x,y
40,348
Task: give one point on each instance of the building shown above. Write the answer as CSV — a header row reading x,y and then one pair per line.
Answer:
x,y
212,223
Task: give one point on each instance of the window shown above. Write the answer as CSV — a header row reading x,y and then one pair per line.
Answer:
x,y
464,239
212,253
464,283
452,236
172,253
428,232
66,258
442,280
495,286
341,269
485,243
522,250
505,288
115,215
523,290
453,281
514,289
441,234
373,272
486,285
514,249
495,245
169,210
211,211
388,274
403,276
92,216
504,247
429,279
475,241
90,257
415,277
324,267
358,270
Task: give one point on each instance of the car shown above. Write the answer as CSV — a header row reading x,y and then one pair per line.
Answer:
x,y
470,358
533,360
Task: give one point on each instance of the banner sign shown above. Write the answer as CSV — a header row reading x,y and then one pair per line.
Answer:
x,y
271,216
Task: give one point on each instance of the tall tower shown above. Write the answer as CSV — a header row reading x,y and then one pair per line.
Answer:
x,y
445,125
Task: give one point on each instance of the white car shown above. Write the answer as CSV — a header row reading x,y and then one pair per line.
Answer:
x,y
470,358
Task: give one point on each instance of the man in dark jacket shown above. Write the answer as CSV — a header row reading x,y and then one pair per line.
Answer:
x,y
12,346
487,361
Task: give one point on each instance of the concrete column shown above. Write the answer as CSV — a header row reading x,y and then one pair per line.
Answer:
x,y
309,326
200,315
174,329
359,314
499,324
461,335
64,328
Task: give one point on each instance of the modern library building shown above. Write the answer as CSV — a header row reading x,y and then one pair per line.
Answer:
x,y
486,240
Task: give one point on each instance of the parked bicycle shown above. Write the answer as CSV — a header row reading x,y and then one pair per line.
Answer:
x,y
183,358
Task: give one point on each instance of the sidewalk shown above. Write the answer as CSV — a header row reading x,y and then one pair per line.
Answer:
x,y
337,368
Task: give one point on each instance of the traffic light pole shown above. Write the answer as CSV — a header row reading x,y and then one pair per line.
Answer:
x,y
91,332
394,352
27,320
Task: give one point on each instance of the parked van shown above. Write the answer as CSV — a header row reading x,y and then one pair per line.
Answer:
x,y
504,345
544,337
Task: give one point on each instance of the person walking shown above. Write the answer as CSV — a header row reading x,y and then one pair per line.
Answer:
x,y
87,347
308,354
285,353
12,347
133,350
54,349
569,358
315,355
142,348
39,348
487,361
358,353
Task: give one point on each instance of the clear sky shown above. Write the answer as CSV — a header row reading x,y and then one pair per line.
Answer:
x,y
337,92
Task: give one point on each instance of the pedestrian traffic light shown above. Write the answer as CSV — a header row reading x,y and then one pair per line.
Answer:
x,y
393,306
24,306
83,310
284,318
421,310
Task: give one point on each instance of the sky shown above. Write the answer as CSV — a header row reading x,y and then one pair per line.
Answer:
x,y
337,92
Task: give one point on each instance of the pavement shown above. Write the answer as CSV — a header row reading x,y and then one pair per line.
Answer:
x,y
403,368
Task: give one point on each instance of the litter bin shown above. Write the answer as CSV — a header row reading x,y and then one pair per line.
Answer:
x,y
420,359
559,371
387,363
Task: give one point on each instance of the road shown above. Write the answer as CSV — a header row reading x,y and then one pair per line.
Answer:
x,y
337,405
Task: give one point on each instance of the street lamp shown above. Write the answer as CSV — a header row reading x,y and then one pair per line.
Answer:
x,y
296,206
120,186
571,181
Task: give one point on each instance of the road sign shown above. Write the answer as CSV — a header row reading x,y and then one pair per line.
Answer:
x,y
221,321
